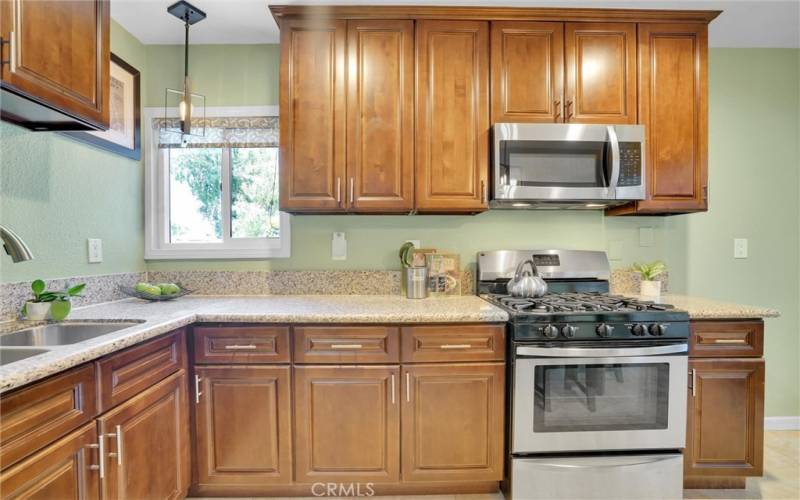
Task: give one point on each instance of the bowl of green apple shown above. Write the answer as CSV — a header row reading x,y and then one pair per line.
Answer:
x,y
155,292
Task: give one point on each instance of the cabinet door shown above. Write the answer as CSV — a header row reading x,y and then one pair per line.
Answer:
x,y
380,111
67,469
452,116
725,428
312,121
453,422
347,424
146,444
600,61
673,106
60,53
244,426
527,71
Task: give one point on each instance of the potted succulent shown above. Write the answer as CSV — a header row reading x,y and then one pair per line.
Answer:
x,y
53,304
649,272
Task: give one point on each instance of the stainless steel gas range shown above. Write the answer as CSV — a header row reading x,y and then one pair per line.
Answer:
x,y
598,382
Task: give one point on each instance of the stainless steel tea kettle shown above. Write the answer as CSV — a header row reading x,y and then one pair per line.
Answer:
x,y
527,283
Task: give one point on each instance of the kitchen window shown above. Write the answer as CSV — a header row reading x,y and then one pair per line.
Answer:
x,y
216,195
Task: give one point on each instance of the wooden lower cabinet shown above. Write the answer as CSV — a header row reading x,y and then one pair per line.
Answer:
x,y
244,428
146,443
453,422
347,423
725,427
61,471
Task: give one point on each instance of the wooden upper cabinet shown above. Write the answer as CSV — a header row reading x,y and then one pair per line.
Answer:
x,y
312,121
380,115
600,62
452,116
673,105
59,56
725,427
347,424
527,71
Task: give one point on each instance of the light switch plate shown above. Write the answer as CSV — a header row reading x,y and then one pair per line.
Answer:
x,y
646,236
95,249
740,248
338,247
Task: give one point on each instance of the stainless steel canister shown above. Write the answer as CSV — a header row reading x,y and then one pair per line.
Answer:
x,y
416,282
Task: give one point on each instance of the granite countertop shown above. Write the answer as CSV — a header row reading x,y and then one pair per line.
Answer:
x,y
162,317
705,308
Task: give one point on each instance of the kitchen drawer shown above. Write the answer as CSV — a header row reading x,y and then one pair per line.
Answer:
x,y
346,344
446,343
127,373
241,344
726,339
35,416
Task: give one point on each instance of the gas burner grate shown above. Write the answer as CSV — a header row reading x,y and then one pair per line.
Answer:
x,y
577,302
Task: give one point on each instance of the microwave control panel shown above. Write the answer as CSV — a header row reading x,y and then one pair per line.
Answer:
x,y
630,164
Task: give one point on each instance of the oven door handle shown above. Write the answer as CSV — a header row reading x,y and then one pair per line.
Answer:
x,y
614,141
599,352
609,461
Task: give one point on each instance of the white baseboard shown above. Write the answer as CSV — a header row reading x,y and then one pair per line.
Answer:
x,y
782,423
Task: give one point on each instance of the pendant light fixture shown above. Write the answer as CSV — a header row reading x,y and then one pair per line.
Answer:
x,y
189,104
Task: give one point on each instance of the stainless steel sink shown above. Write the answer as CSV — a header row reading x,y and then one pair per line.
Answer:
x,y
61,333
10,355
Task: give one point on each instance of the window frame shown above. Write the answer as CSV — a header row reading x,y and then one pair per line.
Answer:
x,y
156,181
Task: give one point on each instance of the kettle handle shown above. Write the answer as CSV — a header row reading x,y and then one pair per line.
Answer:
x,y
520,267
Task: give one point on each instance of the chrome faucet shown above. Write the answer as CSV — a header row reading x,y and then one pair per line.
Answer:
x,y
14,245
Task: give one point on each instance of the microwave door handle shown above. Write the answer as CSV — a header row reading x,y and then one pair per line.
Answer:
x,y
599,352
614,141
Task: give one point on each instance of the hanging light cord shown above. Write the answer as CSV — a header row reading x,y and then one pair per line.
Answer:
x,y
186,47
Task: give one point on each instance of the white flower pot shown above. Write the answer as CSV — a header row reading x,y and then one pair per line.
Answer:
x,y
37,310
650,288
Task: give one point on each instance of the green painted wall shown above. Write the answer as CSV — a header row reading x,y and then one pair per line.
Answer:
x,y
56,192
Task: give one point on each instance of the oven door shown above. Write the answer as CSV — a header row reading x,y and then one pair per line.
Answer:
x,y
598,399
552,162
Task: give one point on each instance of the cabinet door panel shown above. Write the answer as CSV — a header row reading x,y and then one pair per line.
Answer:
x,y
673,106
600,61
725,431
452,116
312,121
154,426
527,71
380,102
244,426
453,422
61,55
60,471
347,424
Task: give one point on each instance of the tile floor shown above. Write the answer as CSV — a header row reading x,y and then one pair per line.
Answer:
x,y
781,480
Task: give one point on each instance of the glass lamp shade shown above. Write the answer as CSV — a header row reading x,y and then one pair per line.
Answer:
x,y
191,119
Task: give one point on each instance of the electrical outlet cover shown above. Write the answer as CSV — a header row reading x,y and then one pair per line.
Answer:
x,y
338,247
95,249
740,248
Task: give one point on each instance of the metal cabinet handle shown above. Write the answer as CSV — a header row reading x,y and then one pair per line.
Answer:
x,y
346,346
352,191
483,192
240,347
197,392
408,387
730,341
118,436
557,105
455,346
393,389
568,111
339,191
694,382
101,457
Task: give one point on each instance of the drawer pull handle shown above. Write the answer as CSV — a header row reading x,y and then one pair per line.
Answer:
x,y
730,341
240,347
456,346
346,346
197,392
118,436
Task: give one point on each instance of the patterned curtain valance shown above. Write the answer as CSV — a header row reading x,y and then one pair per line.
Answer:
x,y
220,132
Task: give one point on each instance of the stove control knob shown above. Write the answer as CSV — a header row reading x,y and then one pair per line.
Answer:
x,y
568,331
550,331
604,330
657,330
639,330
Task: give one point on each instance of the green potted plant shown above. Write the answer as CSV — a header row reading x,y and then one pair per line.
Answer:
x,y
649,286
54,304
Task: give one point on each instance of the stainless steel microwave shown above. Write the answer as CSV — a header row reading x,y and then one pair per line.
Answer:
x,y
554,165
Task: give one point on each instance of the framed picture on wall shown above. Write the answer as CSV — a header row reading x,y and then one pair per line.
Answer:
x,y
123,134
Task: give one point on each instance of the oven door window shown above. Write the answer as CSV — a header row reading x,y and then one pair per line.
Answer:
x,y
612,397
554,163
